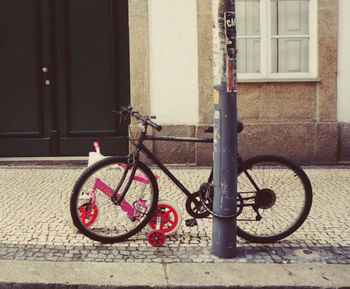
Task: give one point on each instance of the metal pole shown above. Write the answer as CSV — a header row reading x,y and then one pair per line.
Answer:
x,y
225,128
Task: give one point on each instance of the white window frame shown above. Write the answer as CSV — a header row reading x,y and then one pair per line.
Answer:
x,y
266,73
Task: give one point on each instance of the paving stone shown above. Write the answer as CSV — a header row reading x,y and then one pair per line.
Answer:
x,y
44,235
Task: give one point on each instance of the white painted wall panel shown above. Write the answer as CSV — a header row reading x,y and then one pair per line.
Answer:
x,y
344,62
173,61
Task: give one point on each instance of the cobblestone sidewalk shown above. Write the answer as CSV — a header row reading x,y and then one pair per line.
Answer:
x,y
35,222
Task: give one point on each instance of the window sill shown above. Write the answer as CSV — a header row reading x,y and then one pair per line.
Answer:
x,y
276,80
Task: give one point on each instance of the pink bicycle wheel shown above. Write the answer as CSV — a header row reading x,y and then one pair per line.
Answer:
x,y
88,214
169,218
156,238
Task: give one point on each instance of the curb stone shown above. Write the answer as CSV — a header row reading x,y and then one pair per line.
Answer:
x,y
113,275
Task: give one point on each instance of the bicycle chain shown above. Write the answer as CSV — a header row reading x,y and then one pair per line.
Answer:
x,y
207,190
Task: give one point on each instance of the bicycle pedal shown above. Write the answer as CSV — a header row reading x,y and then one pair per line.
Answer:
x,y
191,222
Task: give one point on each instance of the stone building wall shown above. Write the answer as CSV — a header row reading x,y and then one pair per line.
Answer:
x,y
297,119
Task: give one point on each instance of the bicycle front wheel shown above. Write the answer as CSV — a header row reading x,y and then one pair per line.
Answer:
x,y
277,198
91,206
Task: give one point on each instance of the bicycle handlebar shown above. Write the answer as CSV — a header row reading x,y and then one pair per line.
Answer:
x,y
154,125
147,120
143,119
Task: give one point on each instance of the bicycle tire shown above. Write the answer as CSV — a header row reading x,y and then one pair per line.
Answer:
x,y
285,196
115,223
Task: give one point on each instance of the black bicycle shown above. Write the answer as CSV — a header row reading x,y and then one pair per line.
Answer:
x,y
116,197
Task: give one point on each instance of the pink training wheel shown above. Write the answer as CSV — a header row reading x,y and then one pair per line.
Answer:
x,y
156,238
169,218
88,214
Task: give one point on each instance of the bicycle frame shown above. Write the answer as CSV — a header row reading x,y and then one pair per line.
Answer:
x,y
128,208
141,147
118,198
152,157
108,191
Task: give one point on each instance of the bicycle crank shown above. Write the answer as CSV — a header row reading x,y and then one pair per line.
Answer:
x,y
195,208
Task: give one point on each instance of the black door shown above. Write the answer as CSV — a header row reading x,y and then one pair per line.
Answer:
x,y
64,68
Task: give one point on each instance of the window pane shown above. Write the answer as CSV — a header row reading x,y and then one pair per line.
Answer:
x,y
248,60
248,17
290,17
248,32
290,55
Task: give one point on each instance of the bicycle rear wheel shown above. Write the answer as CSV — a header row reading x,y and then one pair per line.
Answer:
x,y
93,191
280,205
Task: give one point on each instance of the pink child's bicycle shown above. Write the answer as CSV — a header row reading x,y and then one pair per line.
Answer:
x,y
167,217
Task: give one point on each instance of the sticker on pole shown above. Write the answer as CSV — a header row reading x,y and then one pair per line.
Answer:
x,y
230,31
216,97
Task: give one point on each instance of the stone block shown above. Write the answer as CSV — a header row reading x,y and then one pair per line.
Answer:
x,y
205,64
204,151
327,58
292,140
139,55
172,152
326,143
344,142
276,102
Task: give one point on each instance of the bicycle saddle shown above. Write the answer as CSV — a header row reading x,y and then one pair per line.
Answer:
x,y
210,129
